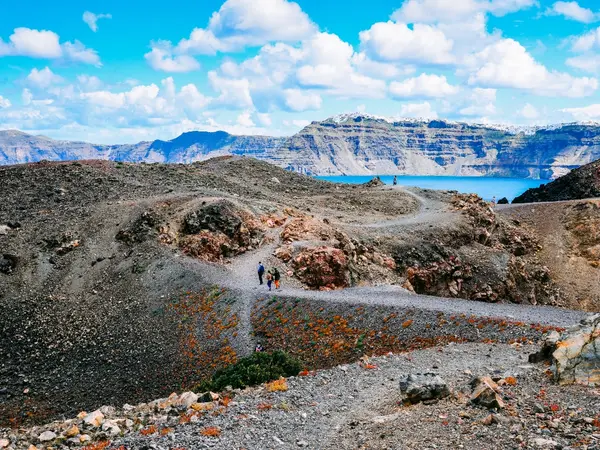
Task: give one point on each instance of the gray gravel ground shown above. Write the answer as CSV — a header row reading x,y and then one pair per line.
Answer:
x,y
352,407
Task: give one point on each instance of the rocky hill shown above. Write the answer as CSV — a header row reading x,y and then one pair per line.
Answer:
x,y
355,144
581,183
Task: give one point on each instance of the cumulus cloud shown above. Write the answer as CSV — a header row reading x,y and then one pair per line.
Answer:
x,y
423,86
587,41
245,120
587,63
238,24
91,19
42,79
507,63
481,103
298,101
234,93
572,10
4,102
46,44
591,112
529,112
391,41
162,59
429,11
419,110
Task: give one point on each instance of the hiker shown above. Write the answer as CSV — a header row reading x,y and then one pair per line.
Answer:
x,y
259,348
261,272
493,201
269,279
395,182
276,277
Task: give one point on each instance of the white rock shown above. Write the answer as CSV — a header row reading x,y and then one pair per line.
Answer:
x,y
47,436
545,443
94,419
4,229
84,438
111,428
186,399
275,180
4,443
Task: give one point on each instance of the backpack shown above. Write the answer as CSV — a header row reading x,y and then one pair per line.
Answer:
x,y
276,275
261,269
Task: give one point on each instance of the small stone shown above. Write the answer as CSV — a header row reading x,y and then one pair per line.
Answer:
x,y
32,447
302,444
485,393
545,443
72,431
94,419
47,436
4,443
84,438
421,387
539,408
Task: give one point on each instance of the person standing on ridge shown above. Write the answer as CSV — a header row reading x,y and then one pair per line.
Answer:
x,y
276,277
395,182
261,272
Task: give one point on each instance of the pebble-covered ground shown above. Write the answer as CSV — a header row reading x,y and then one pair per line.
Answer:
x,y
359,406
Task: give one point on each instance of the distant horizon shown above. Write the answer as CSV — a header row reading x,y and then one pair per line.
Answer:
x,y
113,73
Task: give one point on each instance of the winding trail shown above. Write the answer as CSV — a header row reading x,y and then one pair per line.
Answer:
x,y
240,277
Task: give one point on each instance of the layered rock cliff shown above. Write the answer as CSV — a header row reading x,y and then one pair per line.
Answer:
x,y
355,144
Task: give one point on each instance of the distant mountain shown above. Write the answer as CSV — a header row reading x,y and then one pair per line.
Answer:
x,y
583,182
355,144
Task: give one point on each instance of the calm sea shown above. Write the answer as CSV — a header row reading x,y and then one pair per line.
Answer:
x,y
485,187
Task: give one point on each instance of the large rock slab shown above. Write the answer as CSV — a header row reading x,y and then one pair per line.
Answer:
x,y
576,357
422,387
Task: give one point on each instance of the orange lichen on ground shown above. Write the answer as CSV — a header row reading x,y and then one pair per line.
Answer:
x,y
277,385
211,431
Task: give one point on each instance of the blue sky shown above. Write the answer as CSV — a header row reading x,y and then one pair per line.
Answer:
x,y
125,71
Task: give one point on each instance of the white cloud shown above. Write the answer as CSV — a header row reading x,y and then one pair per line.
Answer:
x,y
507,63
423,86
297,100
4,102
587,41
76,51
419,110
91,19
587,62
33,43
590,112
429,11
89,83
572,10
232,92
264,119
42,79
46,44
300,123
162,59
26,96
529,112
481,103
245,120
246,23
391,41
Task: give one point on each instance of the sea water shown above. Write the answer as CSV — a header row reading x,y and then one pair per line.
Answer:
x,y
485,187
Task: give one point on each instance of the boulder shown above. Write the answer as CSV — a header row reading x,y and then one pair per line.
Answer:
x,y
72,431
4,443
503,201
576,358
322,268
186,399
421,387
486,393
284,253
375,182
8,263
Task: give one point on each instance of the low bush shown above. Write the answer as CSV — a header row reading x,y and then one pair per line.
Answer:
x,y
253,370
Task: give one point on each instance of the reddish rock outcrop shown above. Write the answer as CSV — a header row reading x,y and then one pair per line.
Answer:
x,y
322,268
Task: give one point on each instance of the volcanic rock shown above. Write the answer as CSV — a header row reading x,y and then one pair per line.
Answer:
x,y
421,387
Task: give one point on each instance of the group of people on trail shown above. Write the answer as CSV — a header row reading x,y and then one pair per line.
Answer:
x,y
273,276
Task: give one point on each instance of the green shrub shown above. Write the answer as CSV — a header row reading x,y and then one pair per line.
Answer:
x,y
253,370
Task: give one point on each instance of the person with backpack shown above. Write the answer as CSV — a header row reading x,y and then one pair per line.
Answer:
x,y
395,182
276,277
261,272
269,279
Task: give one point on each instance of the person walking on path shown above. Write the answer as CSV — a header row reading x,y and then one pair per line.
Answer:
x,y
395,182
269,279
261,272
276,277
